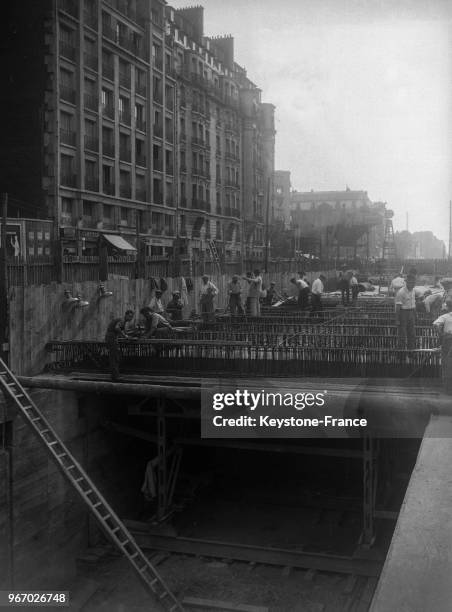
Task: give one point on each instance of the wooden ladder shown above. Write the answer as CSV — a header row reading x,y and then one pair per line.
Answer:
x,y
90,495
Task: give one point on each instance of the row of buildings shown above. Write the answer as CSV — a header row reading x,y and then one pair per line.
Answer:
x,y
124,118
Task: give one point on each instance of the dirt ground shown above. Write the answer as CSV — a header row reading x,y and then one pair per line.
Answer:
x,y
279,589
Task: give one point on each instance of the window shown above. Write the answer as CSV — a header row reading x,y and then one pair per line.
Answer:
x,y
91,100
169,161
157,89
107,213
91,177
124,184
67,208
158,193
108,141
67,43
140,152
91,135
107,103
124,216
88,210
157,158
67,170
67,86
140,187
90,53
67,132
124,74
140,82
124,110
139,117
169,194
108,179
124,147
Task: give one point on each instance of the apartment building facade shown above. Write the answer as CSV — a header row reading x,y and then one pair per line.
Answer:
x,y
147,129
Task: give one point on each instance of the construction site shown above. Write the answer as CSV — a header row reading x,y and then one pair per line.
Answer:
x,y
109,492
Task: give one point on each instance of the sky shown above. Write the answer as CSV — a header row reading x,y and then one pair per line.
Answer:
x,y
362,90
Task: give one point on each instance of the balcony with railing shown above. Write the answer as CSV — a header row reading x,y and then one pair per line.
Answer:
x,y
230,211
232,184
157,165
140,88
69,180
140,160
90,17
108,71
68,137
108,148
108,188
140,124
169,136
183,202
140,194
169,169
202,172
91,60
92,183
91,143
125,154
108,111
125,117
91,102
67,94
69,6
230,156
68,51
158,197
125,191
158,131
200,142
124,79
198,204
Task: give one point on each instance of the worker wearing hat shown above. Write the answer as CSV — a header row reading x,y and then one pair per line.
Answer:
x,y
405,310
174,307
156,302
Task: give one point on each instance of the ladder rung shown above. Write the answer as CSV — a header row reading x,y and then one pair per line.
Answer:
x,y
20,395
70,467
79,479
97,505
88,491
163,595
106,517
125,542
43,431
53,443
3,373
37,419
153,582
62,455
13,384
116,529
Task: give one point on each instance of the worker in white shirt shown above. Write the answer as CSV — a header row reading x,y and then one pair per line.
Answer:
x,y
354,287
254,292
405,311
444,327
302,292
318,287
156,303
206,297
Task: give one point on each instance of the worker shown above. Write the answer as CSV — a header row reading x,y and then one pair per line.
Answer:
x,y
397,283
272,295
302,291
444,326
206,299
156,302
153,321
343,286
405,309
318,287
235,296
116,330
254,293
354,287
174,307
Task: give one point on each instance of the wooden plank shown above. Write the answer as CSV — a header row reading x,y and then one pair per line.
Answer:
x,y
213,604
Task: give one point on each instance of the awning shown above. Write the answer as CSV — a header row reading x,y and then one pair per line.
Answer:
x,y
118,242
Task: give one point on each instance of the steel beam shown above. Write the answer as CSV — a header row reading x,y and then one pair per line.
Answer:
x,y
256,554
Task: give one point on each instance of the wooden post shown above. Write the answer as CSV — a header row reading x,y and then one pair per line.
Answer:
x,y
4,315
162,485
